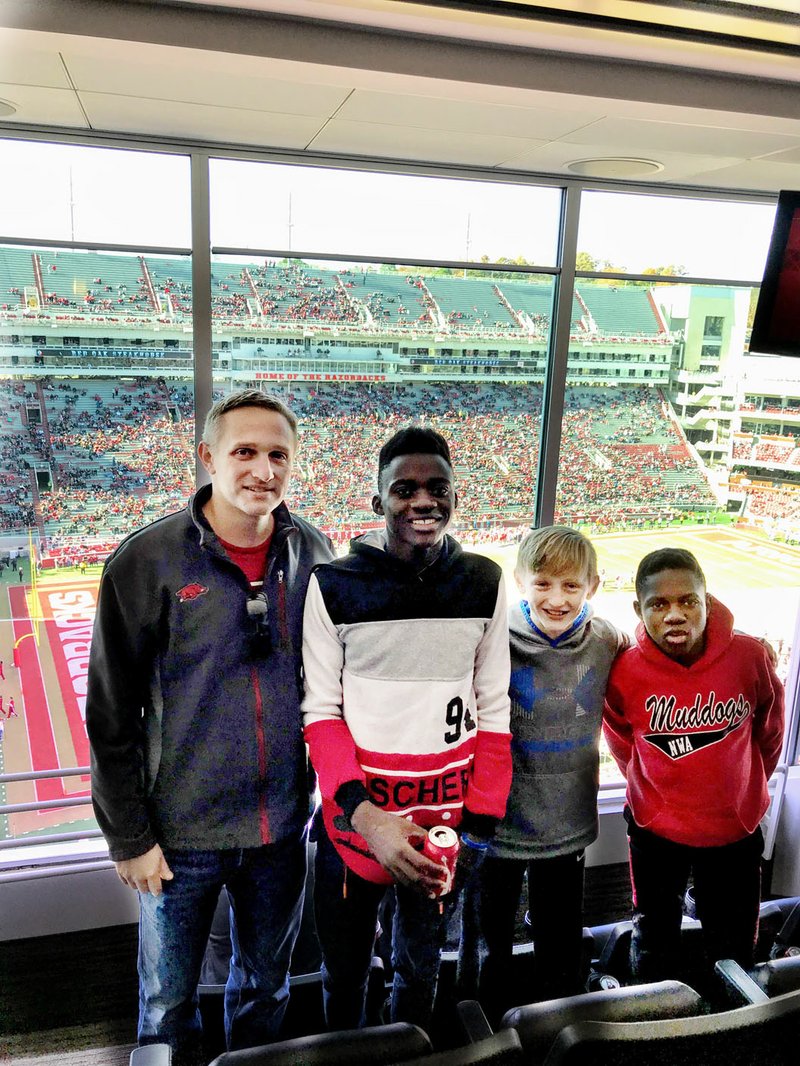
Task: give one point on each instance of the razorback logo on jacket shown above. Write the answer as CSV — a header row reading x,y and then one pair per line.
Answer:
x,y
680,731
191,592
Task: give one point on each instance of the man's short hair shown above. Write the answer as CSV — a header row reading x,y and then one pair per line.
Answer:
x,y
245,398
667,559
413,440
556,550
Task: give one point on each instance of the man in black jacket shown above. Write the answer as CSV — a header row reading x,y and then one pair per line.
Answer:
x,y
199,774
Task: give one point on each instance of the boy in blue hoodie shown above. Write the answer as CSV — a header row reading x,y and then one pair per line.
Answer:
x,y
561,655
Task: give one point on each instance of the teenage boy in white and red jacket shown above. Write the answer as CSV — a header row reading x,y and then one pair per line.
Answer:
x,y
694,719
406,713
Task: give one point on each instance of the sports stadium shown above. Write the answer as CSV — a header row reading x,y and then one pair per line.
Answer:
x,y
98,438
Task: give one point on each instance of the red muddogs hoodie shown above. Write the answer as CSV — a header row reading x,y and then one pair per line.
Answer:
x,y
696,744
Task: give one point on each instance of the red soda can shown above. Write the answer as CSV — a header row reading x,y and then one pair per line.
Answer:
x,y
441,845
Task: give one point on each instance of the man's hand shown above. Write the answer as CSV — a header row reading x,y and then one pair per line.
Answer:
x,y
392,841
146,872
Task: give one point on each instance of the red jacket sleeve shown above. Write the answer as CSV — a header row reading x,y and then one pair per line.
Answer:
x,y
768,720
616,728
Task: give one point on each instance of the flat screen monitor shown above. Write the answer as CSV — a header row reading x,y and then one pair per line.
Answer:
x,y
776,326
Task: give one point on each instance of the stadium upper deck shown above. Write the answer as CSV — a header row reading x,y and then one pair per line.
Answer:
x,y
92,288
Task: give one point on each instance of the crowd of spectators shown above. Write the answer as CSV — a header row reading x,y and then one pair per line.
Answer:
x,y
780,451
289,293
771,451
293,293
121,455
781,504
23,445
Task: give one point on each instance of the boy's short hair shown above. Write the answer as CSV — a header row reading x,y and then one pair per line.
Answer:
x,y
245,398
413,440
556,549
667,559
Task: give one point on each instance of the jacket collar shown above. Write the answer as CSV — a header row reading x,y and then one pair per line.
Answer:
x,y
372,546
284,523
527,628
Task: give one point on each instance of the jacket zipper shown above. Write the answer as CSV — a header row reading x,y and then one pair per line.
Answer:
x,y
261,741
283,623
263,816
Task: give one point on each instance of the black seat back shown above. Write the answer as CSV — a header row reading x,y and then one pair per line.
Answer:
x,y
778,976
379,1045
499,1049
761,1033
538,1024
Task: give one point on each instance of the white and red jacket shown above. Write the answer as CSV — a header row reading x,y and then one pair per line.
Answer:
x,y
406,681
697,744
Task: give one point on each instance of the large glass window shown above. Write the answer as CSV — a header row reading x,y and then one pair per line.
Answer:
x,y
350,212
650,234
368,300
60,192
96,410
702,453
360,349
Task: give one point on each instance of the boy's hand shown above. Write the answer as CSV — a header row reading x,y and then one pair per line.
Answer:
x,y
394,841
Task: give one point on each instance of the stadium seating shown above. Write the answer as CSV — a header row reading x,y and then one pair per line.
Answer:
x,y
538,1024
121,455
765,1032
375,1046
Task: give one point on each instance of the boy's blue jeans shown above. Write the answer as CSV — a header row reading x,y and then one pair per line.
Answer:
x,y
265,886
346,926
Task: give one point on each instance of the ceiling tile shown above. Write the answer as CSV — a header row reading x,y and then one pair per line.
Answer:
x,y
466,116
754,174
26,65
224,124
791,155
556,156
43,106
678,137
398,142
201,78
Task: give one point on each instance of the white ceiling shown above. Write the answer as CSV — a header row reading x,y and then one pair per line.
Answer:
x,y
419,82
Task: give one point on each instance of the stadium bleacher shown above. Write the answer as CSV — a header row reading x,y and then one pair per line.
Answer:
x,y
98,286
119,457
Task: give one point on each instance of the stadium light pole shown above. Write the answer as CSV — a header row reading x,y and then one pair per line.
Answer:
x,y
201,299
556,374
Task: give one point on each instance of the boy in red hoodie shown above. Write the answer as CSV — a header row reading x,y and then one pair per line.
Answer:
x,y
694,719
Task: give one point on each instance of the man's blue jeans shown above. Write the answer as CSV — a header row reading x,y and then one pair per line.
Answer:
x,y
265,886
346,926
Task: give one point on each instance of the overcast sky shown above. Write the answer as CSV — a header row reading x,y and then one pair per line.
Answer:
x,y
60,192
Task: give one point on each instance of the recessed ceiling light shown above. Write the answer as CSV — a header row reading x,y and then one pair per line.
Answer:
x,y
7,109
615,167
